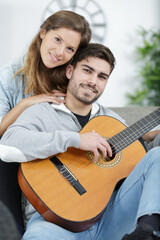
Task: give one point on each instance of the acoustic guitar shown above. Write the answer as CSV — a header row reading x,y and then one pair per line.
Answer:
x,y
71,190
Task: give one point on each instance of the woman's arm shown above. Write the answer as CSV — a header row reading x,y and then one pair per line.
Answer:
x,y
15,112
37,133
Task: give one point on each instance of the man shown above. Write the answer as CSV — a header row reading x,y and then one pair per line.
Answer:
x,y
44,130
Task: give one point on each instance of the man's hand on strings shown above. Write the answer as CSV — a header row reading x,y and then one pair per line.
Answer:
x,y
92,141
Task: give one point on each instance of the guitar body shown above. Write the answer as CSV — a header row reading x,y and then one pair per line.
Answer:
x,y
57,200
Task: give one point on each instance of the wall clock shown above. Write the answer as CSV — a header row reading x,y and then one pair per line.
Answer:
x,y
88,8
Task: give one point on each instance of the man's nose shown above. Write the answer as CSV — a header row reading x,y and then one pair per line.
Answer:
x,y
93,80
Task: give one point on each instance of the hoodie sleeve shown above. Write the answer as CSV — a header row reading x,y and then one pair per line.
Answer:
x,y
28,138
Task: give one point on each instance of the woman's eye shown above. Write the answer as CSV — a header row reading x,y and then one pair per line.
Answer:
x,y
71,50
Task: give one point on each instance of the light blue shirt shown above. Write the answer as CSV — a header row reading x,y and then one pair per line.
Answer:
x,y
12,90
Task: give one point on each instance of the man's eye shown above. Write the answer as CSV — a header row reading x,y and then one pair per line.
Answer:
x,y
57,39
103,77
86,70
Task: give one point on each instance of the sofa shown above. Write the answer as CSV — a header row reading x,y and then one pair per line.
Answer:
x,y
133,113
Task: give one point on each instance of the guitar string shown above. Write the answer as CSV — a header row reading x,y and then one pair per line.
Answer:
x,y
125,130
145,126
127,138
72,166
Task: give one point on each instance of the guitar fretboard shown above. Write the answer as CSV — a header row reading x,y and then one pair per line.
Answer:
x,y
136,130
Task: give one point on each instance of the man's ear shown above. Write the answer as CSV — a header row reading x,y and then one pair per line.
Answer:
x,y
69,71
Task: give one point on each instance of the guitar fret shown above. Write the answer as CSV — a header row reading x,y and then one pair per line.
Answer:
x,y
148,119
113,142
122,135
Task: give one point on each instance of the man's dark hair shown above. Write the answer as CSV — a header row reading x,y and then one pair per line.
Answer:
x,y
94,50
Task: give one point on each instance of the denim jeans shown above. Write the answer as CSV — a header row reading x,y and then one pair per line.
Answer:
x,y
138,195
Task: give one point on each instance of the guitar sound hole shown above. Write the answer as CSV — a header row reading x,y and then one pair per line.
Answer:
x,y
108,162
108,159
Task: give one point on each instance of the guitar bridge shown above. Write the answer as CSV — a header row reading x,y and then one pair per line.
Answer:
x,y
68,175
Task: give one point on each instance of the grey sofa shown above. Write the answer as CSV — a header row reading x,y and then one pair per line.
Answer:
x,y
133,114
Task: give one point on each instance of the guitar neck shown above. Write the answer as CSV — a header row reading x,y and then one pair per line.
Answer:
x,y
135,131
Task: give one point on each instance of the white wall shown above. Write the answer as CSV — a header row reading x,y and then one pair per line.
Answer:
x,y
20,21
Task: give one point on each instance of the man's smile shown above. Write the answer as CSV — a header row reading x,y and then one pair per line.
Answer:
x,y
88,88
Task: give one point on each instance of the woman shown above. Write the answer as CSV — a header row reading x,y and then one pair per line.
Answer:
x,y
40,75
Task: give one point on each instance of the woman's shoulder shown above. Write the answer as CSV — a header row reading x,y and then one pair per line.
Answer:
x,y
8,71
12,67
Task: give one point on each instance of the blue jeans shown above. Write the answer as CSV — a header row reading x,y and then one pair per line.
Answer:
x,y
138,195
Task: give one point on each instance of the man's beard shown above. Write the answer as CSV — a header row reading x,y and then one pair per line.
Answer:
x,y
84,99
87,101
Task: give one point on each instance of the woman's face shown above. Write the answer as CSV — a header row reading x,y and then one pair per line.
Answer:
x,y
58,46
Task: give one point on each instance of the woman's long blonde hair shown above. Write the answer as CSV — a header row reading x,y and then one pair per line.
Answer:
x,y
38,78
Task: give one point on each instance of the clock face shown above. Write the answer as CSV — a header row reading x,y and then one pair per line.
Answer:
x,y
87,8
